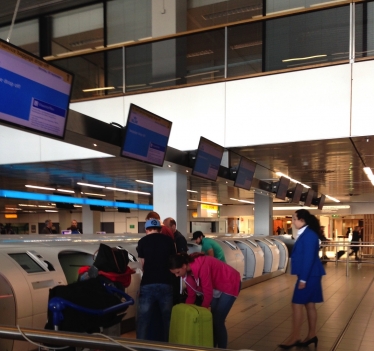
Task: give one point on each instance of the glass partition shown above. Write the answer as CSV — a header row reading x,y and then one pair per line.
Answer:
x,y
78,29
305,39
278,6
364,29
25,35
189,59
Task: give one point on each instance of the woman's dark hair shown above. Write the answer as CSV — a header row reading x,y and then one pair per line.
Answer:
x,y
178,260
309,219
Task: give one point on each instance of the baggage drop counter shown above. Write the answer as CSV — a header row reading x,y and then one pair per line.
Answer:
x,y
283,252
271,253
253,258
233,254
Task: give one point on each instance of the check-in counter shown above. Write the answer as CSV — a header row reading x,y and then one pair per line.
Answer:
x,y
253,257
283,252
233,254
271,253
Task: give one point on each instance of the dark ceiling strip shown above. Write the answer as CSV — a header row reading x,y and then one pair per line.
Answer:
x,y
358,154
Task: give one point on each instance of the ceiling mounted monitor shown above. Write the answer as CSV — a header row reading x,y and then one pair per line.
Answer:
x,y
320,201
295,193
35,95
146,136
307,197
245,173
280,188
208,159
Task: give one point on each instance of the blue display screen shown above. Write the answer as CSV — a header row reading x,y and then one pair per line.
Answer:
x,y
208,159
146,137
34,94
245,173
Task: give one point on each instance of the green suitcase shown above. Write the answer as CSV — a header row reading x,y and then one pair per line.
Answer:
x,y
191,325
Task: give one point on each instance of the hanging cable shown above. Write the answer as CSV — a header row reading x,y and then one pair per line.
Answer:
x,y
13,20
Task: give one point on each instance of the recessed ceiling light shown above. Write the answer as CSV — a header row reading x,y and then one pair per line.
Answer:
x,y
169,166
94,144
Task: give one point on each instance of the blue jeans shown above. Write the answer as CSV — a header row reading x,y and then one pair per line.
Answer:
x,y
154,306
220,308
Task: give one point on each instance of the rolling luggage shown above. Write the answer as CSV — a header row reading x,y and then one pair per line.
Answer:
x,y
340,254
191,325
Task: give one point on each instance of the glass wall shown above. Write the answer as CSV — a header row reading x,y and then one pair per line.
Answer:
x,y
364,29
188,59
305,39
78,29
25,35
278,6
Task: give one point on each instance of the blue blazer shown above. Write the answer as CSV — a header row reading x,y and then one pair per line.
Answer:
x,y
305,260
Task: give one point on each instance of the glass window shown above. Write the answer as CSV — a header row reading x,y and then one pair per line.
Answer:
x,y
95,74
207,13
128,20
364,31
196,58
244,49
78,29
276,6
305,39
25,35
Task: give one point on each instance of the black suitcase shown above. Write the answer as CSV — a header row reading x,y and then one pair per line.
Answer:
x,y
340,254
80,306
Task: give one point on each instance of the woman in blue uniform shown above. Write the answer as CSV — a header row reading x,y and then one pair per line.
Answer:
x,y
305,263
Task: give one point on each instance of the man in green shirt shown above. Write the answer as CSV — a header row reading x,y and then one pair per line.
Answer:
x,y
209,246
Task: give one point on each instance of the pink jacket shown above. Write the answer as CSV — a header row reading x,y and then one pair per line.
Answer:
x,y
208,273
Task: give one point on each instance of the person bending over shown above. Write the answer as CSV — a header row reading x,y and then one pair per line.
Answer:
x,y
218,282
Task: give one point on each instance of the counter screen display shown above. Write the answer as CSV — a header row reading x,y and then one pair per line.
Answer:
x,y
245,173
34,94
26,262
208,159
146,136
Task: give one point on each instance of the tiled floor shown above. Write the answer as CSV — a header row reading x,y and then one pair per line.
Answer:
x,y
261,317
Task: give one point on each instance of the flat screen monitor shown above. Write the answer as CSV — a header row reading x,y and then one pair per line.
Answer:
x,y
26,262
296,193
34,94
146,136
208,159
307,197
282,188
245,173
321,202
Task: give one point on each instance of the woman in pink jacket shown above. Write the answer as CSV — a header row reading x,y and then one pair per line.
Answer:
x,y
218,282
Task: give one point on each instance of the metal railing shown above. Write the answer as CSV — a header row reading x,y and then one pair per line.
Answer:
x,y
92,341
346,246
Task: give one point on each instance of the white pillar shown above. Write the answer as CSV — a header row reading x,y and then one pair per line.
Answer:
x,y
263,210
90,220
170,196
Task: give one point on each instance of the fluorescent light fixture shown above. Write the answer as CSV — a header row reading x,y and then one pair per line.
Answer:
x,y
77,206
143,181
192,191
93,194
127,191
368,170
206,202
13,208
303,58
246,201
332,198
66,191
91,185
39,187
26,205
46,206
50,211
97,89
280,174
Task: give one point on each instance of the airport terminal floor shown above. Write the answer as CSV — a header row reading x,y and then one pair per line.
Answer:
x,y
261,317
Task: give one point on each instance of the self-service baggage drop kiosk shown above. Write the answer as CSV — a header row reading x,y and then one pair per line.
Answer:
x,y
233,254
283,252
271,253
253,257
